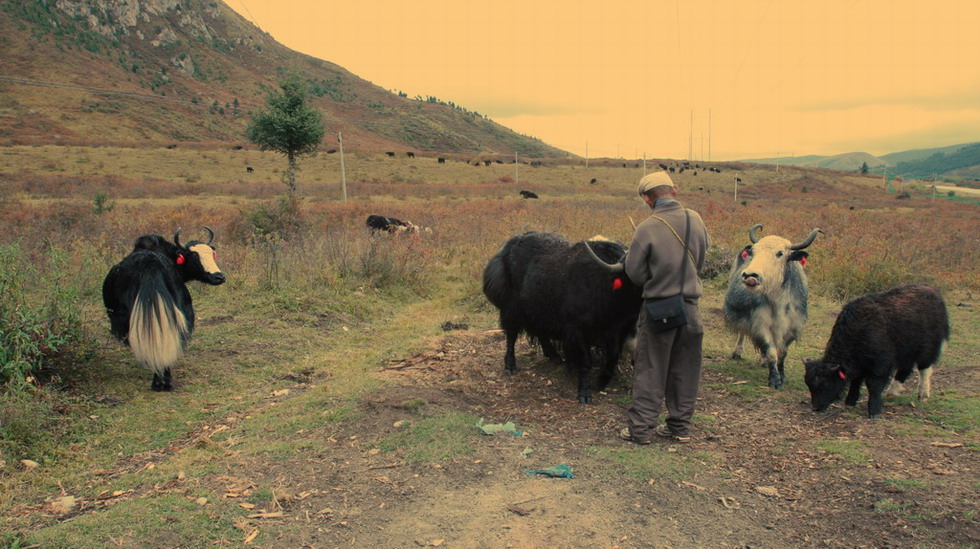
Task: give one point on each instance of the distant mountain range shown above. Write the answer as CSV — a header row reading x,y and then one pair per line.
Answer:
x,y
954,161
155,72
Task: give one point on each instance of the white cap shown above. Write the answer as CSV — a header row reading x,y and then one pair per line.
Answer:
x,y
655,179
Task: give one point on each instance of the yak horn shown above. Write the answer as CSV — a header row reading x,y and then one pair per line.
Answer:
x,y
177,238
752,236
807,242
614,268
210,234
633,223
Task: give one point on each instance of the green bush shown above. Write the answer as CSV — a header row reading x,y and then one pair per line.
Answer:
x,y
39,318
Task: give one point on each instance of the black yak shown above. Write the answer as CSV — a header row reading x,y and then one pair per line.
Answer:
x,y
146,298
378,223
767,298
877,337
528,194
559,293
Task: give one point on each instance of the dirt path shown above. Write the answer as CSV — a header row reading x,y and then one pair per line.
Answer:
x,y
754,476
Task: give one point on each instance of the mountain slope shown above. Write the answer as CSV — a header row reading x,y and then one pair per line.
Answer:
x,y
152,71
848,162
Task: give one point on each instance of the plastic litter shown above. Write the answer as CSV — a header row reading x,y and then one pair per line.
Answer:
x,y
555,471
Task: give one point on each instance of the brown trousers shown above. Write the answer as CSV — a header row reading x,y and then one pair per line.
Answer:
x,y
667,370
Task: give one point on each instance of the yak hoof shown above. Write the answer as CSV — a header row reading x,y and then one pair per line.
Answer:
x,y
776,383
736,356
509,372
585,399
874,416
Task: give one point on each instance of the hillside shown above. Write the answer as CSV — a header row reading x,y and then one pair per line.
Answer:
x,y
847,162
160,71
953,162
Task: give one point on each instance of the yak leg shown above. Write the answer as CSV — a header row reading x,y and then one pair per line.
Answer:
x,y
737,353
853,392
510,361
579,360
610,356
896,387
162,382
548,348
771,359
875,403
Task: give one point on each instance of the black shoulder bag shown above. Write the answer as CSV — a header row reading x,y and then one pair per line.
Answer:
x,y
668,313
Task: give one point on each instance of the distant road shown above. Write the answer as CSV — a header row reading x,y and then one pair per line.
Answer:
x,y
960,191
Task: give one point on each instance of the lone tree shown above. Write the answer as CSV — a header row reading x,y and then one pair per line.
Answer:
x,y
864,168
288,125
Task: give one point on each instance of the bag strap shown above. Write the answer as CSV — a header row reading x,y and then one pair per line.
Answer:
x,y
687,233
687,236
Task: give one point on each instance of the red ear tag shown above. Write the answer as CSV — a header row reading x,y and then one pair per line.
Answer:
x,y
617,283
180,259
745,253
803,261
215,256
841,374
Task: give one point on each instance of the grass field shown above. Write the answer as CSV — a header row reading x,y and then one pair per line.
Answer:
x,y
283,430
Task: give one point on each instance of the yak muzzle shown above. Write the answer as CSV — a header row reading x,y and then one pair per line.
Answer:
x,y
216,279
751,280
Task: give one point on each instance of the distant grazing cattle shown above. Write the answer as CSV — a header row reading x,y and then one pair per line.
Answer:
x,y
410,154
767,298
249,169
563,295
663,167
171,146
528,194
146,298
378,223
671,169
536,164
237,148
903,196
487,162
878,337
738,179
390,154
331,151
442,160
593,181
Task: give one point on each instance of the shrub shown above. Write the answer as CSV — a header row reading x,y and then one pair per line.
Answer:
x,y
281,219
39,318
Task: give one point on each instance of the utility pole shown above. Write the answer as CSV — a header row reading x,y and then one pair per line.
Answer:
x,y
517,163
690,139
644,163
343,172
736,186
586,154
709,135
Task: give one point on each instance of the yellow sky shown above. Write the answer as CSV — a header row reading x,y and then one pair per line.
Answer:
x,y
623,77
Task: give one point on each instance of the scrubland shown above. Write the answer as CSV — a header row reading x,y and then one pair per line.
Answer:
x,y
289,355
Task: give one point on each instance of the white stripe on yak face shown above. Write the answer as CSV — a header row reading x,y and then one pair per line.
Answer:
x,y
206,254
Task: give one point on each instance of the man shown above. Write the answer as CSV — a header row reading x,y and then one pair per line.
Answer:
x,y
668,363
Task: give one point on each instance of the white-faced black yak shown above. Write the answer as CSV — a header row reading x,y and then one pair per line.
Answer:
x,y
878,337
146,298
767,298
574,296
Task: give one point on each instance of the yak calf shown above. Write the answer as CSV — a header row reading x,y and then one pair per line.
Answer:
x,y
876,337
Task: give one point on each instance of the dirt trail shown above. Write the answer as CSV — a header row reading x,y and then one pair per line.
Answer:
x,y
751,478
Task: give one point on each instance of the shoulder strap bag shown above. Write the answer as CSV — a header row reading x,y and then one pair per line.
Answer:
x,y
668,313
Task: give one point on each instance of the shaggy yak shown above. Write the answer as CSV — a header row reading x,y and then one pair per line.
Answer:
x,y
146,298
572,296
877,337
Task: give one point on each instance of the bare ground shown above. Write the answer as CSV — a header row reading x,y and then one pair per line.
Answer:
x,y
752,477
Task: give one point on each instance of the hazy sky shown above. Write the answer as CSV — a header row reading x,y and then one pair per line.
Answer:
x,y
623,77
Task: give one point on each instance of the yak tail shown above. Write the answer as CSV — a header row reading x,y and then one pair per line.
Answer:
x,y
496,281
158,328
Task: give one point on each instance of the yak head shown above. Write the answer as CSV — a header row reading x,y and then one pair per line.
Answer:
x,y
761,266
198,260
826,382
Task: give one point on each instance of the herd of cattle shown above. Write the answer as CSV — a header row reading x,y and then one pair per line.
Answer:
x,y
574,299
